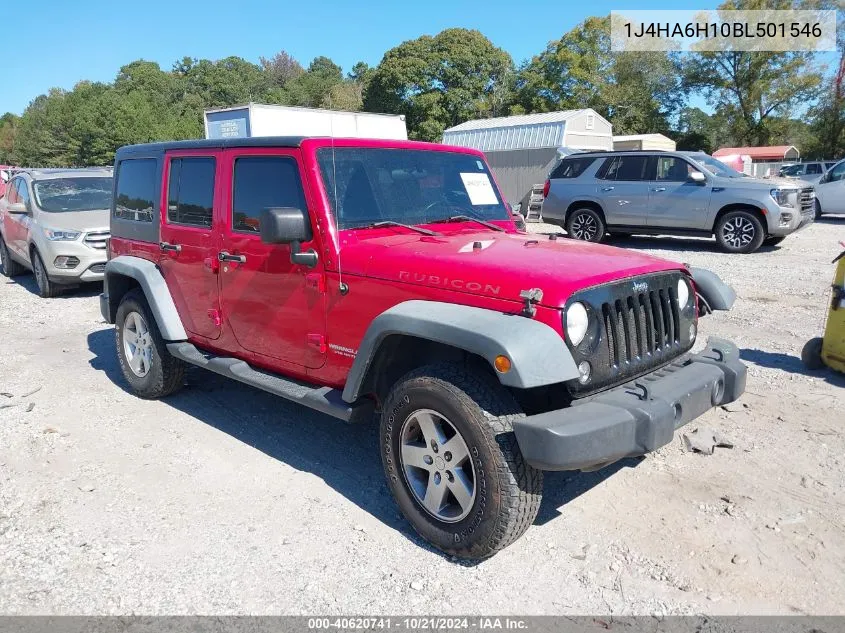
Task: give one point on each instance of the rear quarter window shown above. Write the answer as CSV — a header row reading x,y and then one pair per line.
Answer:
x,y
135,190
571,167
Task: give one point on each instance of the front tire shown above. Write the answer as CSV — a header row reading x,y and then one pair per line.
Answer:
x,y
818,209
586,224
811,355
46,288
739,232
146,364
774,241
11,268
452,461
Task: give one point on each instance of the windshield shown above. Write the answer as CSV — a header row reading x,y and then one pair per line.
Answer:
x,y
369,185
792,170
73,194
715,166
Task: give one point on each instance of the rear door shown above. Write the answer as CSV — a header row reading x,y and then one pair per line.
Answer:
x,y
623,190
831,192
675,201
189,243
18,224
275,308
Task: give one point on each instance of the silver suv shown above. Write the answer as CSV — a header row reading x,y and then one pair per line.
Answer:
x,y
811,172
591,194
56,223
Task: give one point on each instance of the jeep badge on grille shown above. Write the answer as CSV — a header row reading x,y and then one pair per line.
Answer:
x,y
640,286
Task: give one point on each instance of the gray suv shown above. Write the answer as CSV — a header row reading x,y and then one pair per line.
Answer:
x,y
592,194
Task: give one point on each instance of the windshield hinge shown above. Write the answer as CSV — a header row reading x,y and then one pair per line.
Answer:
x,y
530,297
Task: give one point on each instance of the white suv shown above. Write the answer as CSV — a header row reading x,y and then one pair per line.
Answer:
x,y
55,222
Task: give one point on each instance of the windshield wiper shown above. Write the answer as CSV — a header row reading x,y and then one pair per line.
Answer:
x,y
469,218
418,229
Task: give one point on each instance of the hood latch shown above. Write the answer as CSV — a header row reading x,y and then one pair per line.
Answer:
x,y
530,297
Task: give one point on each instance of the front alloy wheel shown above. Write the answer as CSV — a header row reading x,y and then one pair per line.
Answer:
x,y
739,232
436,465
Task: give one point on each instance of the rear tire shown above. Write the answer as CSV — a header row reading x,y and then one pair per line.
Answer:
x,y
11,268
811,355
144,360
586,224
739,232
46,288
491,495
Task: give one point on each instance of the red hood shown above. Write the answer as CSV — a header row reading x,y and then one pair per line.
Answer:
x,y
505,264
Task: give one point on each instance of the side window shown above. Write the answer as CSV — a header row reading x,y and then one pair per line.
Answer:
x,y
190,194
837,173
136,186
630,168
23,192
814,168
672,169
12,192
571,167
263,182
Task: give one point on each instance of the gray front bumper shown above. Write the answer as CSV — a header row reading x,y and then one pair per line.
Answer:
x,y
635,418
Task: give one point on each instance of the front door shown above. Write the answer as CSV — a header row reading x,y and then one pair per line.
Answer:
x,y
275,308
831,192
189,245
623,190
674,200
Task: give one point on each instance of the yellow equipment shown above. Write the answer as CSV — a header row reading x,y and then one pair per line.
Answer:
x,y
830,349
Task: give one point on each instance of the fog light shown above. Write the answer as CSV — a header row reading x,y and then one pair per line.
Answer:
x,y
584,369
692,332
502,364
66,262
785,219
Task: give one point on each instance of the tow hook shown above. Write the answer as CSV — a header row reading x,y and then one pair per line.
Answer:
x,y
530,297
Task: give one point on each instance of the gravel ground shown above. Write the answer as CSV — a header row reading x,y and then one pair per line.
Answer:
x,y
224,499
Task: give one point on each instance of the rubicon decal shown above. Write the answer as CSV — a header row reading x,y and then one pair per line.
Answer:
x,y
445,282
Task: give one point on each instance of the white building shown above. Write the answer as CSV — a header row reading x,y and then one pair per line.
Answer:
x,y
643,141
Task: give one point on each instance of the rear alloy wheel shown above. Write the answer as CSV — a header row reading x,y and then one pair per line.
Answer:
x,y
739,232
586,224
10,266
46,288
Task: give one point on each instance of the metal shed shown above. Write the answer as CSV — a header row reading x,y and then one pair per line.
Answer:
x,y
522,149
643,141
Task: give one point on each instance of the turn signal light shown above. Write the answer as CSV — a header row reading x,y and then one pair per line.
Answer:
x,y
502,364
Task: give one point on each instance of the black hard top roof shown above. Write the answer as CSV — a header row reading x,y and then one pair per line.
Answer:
x,y
152,149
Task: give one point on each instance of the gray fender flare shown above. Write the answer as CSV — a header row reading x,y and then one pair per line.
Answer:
x,y
149,277
718,294
538,354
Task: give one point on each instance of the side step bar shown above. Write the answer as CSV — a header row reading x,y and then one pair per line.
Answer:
x,y
323,399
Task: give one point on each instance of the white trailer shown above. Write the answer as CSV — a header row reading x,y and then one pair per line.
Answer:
x,y
256,119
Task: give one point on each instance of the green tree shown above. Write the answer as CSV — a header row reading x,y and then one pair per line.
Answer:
x,y
440,81
638,91
8,132
754,89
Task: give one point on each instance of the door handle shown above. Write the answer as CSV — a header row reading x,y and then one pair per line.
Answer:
x,y
173,248
228,257
659,189
607,188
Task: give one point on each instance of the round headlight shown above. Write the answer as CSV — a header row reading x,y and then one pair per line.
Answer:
x,y
577,321
683,293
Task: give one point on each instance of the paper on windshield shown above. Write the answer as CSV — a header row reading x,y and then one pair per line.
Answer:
x,y
479,188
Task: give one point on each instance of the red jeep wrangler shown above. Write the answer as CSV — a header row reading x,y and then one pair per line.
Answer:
x,y
359,275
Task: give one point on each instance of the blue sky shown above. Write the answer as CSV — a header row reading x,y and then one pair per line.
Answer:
x,y
64,42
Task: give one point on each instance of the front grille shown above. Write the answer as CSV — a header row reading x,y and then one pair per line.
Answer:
x,y
638,325
97,239
98,268
807,200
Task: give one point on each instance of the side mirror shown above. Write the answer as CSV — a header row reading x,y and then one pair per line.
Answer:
x,y
18,207
288,225
4,175
697,177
